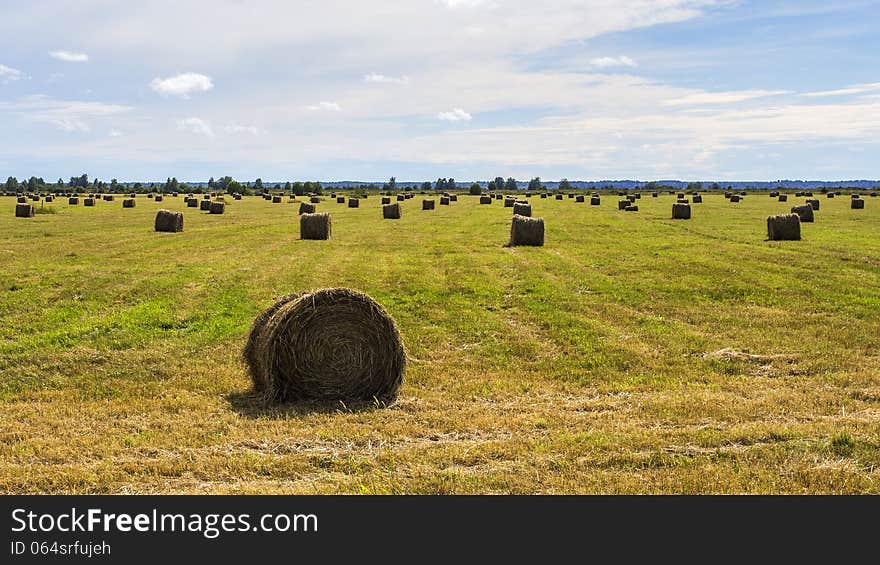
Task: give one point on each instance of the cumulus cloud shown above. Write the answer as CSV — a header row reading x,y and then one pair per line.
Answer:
x,y
455,115
197,126
607,62
374,77
69,56
115,133
65,115
325,106
8,74
699,98
182,85
239,128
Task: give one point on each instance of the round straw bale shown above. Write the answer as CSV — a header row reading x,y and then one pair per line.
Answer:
x,y
734,197
158,198
88,201
814,202
340,199
783,198
622,204
485,199
306,208
526,231
401,197
830,195
508,202
168,221
595,201
785,227
22,200
543,195
205,205
386,200
192,203
353,203
315,199
276,200
681,211
217,207
579,198
315,226
128,203
444,200
50,199
453,198
631,208
391,211
326,345
804,211
427,204
73,201
558,197
697,199
499,196
857,204
522,209
24,210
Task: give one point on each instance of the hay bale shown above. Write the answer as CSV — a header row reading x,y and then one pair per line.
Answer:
x,y
340,199
217,208
206,197
453,198
734,198
73,201
814,202
315,199
579,198
697,199
306,208
315,226
526,231
50,199
804,211
558,197
485,199
401,197
508,202
236,196
391,211
499,196
522,209
192,203
622,204
276,200
427,204
353,203
857,204
543,195
88,201
444,201
168,221
631,208
24,210
681,211
128,203
595,201
327,345
158,198
21,200
784,227
205,205
386,200
830,195
783,198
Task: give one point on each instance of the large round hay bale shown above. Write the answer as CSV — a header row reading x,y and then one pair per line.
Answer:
x,y
73,201
579,198
857,204
391,211
681,211
333,344
804,211
306,208
453,198
522,209
315,199
168,221
622,204
783,198
401,197
444,200
814,202
735,197
88,201
386,200
526,231
697,199
784,227
830,195
427,204
205,205
353,203
558,197
128,203
217,208
485,199
340,199
276,200
508,202
21,200
631,208
192,203
595,201
158,198
315,226
499,196
543,195
24,210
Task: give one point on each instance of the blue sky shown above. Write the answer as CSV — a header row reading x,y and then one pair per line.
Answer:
x,y
419,89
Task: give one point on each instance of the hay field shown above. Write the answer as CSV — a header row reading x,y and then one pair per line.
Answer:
x,y
631,354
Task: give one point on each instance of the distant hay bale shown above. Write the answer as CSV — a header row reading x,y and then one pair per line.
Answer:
x,y
697,199
391,211
150,195
579,198
543,195
315,226
427,204
857,204
734,197
333,344
340,199
522,209
128,203
205,205
622,204
21,200
485,199
804,211
631,208
681,211
192,203
499,196
306,208
783,198
453,198
814,202
276,200
526,231
631,197
168,221
109,198
444,201
315,199
206,197
236,196
508,202
73,201
353,203
88,201
217,208
50,199
784,227
558,197
401,197
873,195
830,195
595,201
24,210
386,200
158,198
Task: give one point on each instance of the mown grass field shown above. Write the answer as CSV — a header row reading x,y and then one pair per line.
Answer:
x,y
630,354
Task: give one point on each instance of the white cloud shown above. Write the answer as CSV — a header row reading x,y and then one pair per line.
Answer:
x,y
182,85
69,56
8,74
698,98
857,89
456,115
374,77
325,106
606,62
197,126
115,133
65,115
234,129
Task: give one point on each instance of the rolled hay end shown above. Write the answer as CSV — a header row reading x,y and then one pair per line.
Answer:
x,y
783,198
784,227
485,199
444,200
24,210
192,203
306,208
814,202
73,201
579,198
401,197
427,204
526,231
522,209
386,200
128,203
681,211
205,205
168,221
391,211
804,211
735,197
88,201
622,204
276,200
353,203
315,226
595,201
217,208
508,202
857,204
315,199
326,345
340,199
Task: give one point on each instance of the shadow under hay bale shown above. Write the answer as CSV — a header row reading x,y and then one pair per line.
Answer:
x,y
168,221
485,199
427,204
326,345
681,211
353,203
217,208
128,203
315,226
306,208
205,205
784,227
526,231
804,211
391,211
857,204
24,210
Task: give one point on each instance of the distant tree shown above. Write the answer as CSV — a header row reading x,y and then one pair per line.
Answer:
x,y
287,186
476,189
694,186
391,184
11,184
211,182
235,187
137,186
510,184
492,186
440,184
716,186
298,188
450,183
499,183
535,184
426,185
564,185
258,185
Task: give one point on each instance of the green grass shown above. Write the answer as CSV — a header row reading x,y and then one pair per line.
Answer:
x,y
583,366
